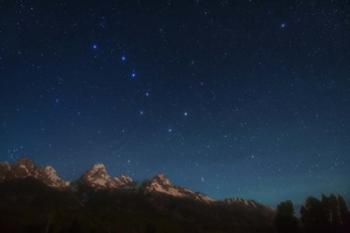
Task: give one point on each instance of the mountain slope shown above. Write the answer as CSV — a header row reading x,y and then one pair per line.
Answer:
x,y
161,184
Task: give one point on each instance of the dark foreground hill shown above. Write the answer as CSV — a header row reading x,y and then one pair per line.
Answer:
x,y
34,199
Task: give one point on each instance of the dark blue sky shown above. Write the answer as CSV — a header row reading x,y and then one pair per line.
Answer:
x,y
230,98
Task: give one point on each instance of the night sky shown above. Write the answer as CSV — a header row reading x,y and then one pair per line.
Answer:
x,y
230,98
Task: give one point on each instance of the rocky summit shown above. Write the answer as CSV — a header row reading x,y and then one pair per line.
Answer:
x,y
98,177
25,168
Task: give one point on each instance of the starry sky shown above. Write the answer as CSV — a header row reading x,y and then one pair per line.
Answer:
x,y
230,98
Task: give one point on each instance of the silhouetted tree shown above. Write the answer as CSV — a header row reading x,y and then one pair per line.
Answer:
x,y
343,209
331,212
328,215
312,215
285,221
344,215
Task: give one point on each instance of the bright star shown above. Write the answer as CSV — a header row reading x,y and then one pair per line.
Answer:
x,y
185,113
141,112
283,25
123,58
170,130
147,94
94,46
133,75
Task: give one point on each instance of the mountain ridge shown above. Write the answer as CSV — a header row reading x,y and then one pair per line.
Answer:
x,y
97,178
98,202
25,167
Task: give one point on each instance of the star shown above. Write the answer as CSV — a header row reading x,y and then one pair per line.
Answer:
x,y
147,94
170,130
185,114
133,75
283,25
123,58
94,46
141,112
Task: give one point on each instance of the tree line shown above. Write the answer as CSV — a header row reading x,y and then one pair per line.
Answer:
x,y
329,214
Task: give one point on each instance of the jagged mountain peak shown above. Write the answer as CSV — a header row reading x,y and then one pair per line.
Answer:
x,y
25,167
162,179
49,174
98,178
161,184
97,170
98,166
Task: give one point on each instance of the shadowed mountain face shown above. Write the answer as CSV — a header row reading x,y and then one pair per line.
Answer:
x,y
34,199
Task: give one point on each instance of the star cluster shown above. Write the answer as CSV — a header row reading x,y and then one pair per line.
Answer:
x,y
230,98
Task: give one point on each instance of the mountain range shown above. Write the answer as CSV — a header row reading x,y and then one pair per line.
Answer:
x,y
36,199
